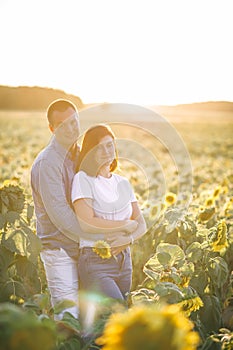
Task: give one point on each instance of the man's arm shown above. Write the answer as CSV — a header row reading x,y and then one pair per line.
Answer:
x,y
51,188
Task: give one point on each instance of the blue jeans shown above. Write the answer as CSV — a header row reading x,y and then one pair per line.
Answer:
x,y
110,277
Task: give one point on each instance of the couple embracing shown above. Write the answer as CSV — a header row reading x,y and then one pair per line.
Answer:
x,y
79,201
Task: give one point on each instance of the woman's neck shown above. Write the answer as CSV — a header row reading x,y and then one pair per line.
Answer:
x,y
105,171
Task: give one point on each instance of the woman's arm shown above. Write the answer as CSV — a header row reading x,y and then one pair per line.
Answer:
x,y
120,242
137,216
92,224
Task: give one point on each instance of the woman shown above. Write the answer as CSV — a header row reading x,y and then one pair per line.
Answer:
x,y
104,202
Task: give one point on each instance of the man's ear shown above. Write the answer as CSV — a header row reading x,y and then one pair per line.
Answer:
x,y
51,128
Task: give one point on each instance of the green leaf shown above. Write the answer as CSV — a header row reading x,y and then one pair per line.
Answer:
x,y
163,258
194,252
149,283
64,304
23,242
42,301
70,344
187,226
34,246
167,255
199,281
187,268
27,273
6,259
173,216
147,269
2,221
143,295
169,291
71,322
30,212
36,334
12,216
16,242
218,271
210,314
175,252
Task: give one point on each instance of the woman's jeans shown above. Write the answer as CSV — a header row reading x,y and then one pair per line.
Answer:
x,y
110,277
62,278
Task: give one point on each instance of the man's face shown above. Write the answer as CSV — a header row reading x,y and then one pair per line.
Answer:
x,y
66,127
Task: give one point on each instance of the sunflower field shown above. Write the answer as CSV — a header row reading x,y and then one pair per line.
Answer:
x,y
182,290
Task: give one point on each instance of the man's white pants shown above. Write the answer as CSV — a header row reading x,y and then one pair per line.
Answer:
x,y
62,278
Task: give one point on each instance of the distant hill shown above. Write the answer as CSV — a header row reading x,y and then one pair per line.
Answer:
x,y
217,106
201,112
38,98
32,98
221,106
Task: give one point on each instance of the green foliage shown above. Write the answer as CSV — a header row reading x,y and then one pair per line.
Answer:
x,y
12,199
180,259
20,247
194,276
210,314
23,330
224,338
70,344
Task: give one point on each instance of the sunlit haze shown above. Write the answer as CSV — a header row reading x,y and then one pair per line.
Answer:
x,y
143,52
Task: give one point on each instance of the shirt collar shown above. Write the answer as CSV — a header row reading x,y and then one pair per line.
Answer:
x,y
63,151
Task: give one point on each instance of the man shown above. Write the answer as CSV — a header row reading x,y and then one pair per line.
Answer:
x,y
57,225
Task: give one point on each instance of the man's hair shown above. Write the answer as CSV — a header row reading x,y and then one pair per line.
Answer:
x,y
59,105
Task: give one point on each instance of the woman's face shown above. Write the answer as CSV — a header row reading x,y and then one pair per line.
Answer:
x,y
105,151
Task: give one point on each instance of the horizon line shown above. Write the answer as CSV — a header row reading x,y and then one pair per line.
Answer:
x,y
152,104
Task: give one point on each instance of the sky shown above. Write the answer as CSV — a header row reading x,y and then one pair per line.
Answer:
x,y
148,52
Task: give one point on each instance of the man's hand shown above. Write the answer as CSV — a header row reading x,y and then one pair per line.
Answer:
x,y
118,242
117,250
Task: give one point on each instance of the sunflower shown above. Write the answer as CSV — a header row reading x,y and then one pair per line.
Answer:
x,y
170,198
184,281
191,305
206,214
210,202
12,198
156,211
217,191
146,328
219,238
103,249
228,208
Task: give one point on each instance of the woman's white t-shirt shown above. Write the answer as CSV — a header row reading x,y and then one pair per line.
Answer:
x,y
111,197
